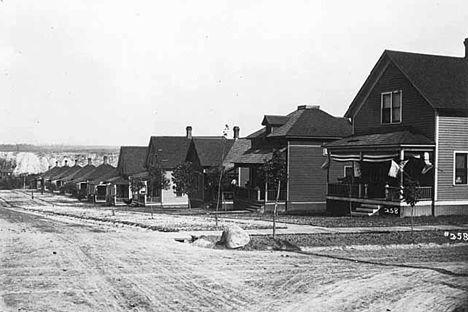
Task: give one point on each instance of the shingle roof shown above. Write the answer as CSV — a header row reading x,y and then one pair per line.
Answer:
x,y
67,172
50,173
77,175
274,120
256,155
97,173
441,80
257,134
132,159
313,122
212,151
170,150
239,147
389,139
105,176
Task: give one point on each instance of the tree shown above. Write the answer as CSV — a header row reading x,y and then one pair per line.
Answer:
x,y
158,179
411,195
136,184
185,180
274,172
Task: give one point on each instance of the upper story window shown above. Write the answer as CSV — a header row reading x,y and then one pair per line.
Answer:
x,y
391,107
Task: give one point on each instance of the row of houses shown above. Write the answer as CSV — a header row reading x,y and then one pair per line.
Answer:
x,y
408,124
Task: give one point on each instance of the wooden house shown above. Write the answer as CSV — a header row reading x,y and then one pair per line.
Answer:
x,y
166,152
410,127
299,136
131,161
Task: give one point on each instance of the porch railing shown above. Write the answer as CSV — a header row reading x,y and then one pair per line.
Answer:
x,y
247,193
258,195
271,195
384,192
100,197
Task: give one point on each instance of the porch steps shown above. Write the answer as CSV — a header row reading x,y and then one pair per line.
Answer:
x,y
366,210
254,207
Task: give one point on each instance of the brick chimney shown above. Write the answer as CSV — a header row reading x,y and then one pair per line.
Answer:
x,y
466,48
89,161
189,132
236,130
105,160
302,107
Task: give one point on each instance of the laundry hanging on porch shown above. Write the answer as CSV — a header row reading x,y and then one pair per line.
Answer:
x,y
427,164
365,157
357,169
326,164
395,168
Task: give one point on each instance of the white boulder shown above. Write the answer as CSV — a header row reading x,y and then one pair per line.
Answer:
x,y
234,237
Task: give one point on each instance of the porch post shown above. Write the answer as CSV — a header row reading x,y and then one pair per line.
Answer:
x,y
328,171
402,158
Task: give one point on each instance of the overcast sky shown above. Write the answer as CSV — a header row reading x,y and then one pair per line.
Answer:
x,y
111,72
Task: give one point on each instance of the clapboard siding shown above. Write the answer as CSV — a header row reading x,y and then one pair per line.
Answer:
x,y
416,112
453,136
307,181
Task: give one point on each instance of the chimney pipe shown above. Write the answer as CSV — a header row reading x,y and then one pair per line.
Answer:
x,y
89,161
466,48
189,132
66,163
236,132
56,163
76,162
105,160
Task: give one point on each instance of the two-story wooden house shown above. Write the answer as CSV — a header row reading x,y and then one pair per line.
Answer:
x,y
299,136
410,125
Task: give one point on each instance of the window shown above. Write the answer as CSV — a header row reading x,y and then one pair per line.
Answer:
x,y
461,168
348,171
391,107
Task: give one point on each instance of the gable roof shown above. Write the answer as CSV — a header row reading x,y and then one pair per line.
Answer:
x,y
132,159
170,150
274,120
441,80
51,172
312,122
104,176
77,175
99,172
64,173
212,151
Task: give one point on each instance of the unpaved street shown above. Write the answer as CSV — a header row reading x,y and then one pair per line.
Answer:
x,y
58,264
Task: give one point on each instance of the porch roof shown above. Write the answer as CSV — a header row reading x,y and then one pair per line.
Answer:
x,y
256,156
119,180
396,139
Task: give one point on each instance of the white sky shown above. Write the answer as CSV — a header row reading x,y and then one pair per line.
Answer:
x,y
111,72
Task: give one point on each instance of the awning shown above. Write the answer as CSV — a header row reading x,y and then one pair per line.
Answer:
x,y
365,157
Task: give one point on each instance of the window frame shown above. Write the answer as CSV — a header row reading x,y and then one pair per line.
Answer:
x,y
348,167
455,168
400,92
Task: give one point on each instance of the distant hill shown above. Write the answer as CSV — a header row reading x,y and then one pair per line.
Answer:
x,y
25,158
53,148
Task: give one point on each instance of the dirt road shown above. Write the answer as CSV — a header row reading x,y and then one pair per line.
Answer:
x,y
51,264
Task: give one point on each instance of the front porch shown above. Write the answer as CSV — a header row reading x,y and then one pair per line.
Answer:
x,y
380,171
258,199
